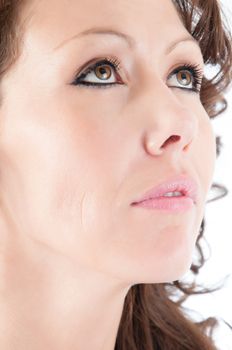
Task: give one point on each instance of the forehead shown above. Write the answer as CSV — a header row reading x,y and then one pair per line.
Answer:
x,y
149,21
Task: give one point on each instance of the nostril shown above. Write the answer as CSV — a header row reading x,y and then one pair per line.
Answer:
x,y
173,138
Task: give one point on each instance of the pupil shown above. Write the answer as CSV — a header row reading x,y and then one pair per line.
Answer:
x,y
102,70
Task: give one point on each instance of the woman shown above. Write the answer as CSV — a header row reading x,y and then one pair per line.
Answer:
x,y
100,103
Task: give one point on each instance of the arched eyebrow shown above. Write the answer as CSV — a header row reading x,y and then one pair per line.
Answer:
x,y
130,41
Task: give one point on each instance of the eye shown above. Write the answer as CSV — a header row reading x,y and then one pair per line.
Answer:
x,y
187,75
103,70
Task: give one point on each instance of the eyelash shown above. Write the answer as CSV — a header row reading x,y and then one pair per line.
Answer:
x,y
114,63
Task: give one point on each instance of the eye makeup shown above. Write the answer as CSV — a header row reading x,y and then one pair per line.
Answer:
x,y
193,69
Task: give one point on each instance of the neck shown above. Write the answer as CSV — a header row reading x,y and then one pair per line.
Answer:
x,y
48,302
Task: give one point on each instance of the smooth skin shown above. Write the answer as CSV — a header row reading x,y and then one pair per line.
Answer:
x,y
74,158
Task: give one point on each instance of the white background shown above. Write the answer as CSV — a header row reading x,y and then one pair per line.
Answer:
x,y
218,231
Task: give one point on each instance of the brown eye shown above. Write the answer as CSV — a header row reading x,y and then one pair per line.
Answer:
x,y
184,77
188,76
103,72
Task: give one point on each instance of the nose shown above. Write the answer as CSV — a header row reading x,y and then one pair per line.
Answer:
x,y
172,126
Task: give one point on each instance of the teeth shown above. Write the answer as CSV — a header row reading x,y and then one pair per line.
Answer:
x,y
173,194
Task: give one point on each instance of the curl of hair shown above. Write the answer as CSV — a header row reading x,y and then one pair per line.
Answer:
x,y
151,319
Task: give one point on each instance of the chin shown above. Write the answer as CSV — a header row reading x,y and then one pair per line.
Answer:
x,y
172,270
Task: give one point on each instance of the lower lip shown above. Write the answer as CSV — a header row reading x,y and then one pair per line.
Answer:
x,y
170,204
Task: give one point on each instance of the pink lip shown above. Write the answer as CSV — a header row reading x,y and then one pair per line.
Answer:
x,y
154,198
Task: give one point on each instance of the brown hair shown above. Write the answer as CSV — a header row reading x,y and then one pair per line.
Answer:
x,y
151,319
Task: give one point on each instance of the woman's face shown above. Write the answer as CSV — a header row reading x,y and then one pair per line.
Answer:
x,y
73,157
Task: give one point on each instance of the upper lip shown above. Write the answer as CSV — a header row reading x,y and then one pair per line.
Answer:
x,y
182,183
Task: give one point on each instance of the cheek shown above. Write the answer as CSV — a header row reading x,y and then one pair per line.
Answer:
x,y
53,181
205,154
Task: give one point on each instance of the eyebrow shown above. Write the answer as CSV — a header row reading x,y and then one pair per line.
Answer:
x,y
127,38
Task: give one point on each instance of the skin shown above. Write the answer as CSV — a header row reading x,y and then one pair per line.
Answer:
x,y
72,161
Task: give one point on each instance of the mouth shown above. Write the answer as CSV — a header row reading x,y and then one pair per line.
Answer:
x,y
176,194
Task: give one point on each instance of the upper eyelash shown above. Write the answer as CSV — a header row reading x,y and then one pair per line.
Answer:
x,y
193,68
